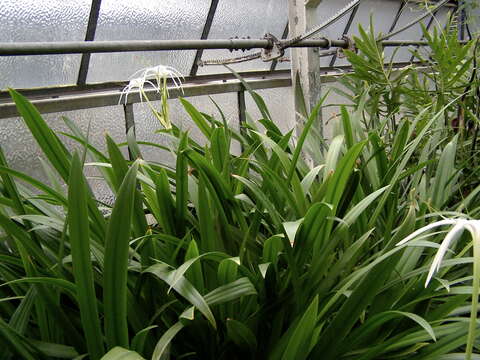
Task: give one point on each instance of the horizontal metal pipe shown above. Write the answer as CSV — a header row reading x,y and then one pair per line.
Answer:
x,y
389,43
80,47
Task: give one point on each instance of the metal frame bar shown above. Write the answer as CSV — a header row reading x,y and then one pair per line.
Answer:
x,y
63,98
89,36
96,96
463,16
205,33
273,66
242,113
80,47
129,123
470,36
397,16
346,30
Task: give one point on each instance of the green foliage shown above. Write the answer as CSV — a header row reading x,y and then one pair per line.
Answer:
x,y
266,254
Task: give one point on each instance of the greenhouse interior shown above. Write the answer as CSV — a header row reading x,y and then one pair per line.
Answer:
x,y
257,179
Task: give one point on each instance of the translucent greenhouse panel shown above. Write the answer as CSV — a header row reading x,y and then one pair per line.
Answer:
x,y
40,20
146,20
252,18
280,104
23,154
146,124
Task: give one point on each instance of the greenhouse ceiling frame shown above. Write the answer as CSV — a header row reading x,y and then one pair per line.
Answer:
x,y
84,95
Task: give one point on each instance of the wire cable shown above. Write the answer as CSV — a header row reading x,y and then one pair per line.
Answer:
x,y
415,21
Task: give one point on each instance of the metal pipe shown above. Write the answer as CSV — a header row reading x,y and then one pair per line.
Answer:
x,y
80,47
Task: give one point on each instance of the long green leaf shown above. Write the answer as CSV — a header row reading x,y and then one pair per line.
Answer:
x,y
116,262
79,230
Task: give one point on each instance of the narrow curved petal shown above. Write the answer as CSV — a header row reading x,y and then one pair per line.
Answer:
x,y
452,236
426,228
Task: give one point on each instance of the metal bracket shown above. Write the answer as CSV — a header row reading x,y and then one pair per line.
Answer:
x,y
275,51
350,46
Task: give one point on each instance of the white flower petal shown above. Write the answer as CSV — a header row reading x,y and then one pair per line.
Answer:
x,y
426,228
452,236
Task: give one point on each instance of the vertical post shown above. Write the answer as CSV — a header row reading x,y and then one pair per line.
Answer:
x,y
89,36
463,21
305,62
242,117
129,123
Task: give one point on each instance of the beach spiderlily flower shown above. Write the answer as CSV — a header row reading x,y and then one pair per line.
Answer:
x,y
147,76
134,85
161,73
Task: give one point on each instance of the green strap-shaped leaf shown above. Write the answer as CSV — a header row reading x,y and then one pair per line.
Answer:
x,y
197,118
79,231
184,288
298,346
241,335
116,262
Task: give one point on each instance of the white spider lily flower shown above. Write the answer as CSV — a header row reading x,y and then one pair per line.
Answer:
x,y
459,225
148,76
161,73
134,85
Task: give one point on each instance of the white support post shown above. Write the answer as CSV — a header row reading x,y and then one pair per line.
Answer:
x,y
305,61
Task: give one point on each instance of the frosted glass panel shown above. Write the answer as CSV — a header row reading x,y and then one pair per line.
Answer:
x,y
23,153
34,20
252,18
146,124
146,20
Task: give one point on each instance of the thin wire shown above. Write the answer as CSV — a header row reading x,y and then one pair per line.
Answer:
x,y
415,21
234,60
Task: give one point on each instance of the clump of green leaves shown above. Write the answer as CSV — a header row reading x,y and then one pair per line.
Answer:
x,y
257,255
